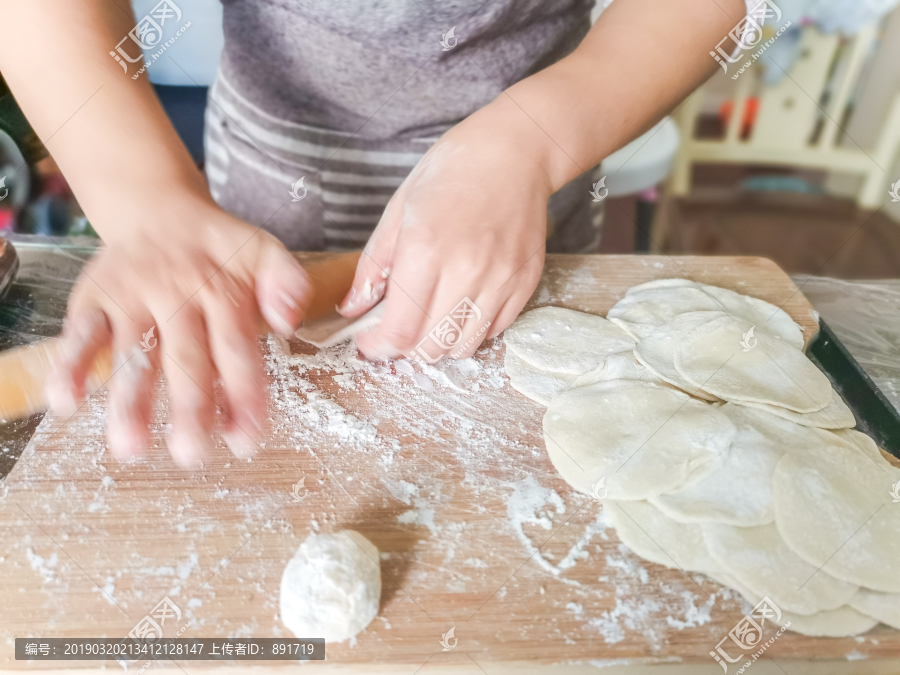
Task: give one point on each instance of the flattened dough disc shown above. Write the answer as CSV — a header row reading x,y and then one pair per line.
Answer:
x,y
841,622
834,509
740,491
715,357
565,341
652,535
641,438
538,385
652,304
656,352
885,607
621,366
760,560
835,415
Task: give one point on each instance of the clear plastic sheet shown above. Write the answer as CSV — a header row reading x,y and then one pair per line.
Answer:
x,y
865,315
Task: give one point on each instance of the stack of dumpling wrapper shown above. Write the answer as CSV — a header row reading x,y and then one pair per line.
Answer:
x,y
718,447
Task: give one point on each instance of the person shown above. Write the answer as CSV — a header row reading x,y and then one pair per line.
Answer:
x,y
452,145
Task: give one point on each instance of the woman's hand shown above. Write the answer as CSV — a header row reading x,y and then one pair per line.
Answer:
x,y
470,223
200,279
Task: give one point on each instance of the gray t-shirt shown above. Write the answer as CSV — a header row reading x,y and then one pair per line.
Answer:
x,y
350,94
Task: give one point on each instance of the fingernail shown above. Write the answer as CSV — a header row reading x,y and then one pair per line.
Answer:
x,y
279,323
188,447
60,393
240,443
125,438
369,295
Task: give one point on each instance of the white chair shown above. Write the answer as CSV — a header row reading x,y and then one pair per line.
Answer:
x,y
637,169
797,123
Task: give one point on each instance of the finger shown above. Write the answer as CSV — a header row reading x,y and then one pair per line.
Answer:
x,y
189,373
86,332
235,352
477,317
131,386
404,316
507,314
374,268
525,281
282,289
457,325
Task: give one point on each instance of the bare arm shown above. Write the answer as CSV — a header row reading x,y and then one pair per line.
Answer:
x,y
107,132
473,224
640,59
173,261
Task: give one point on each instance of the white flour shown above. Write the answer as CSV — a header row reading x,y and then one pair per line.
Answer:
x,y
438,445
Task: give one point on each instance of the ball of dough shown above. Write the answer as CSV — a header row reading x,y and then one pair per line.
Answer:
x,y
331,587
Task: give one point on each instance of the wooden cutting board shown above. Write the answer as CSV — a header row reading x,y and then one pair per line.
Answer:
x,y
445,471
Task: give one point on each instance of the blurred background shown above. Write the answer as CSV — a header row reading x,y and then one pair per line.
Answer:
x,y
797,158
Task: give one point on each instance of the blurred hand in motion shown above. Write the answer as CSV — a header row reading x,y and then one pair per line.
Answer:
x,y
470,221
202,278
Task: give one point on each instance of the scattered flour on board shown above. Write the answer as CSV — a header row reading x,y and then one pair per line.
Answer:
x,y
429,436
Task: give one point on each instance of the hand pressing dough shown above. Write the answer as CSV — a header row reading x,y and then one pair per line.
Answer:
x,y
641,438
650,305
760,560
835,415
331,588
714,358
652,535
834,510
565,341
538,385
740,491
885,607
656,352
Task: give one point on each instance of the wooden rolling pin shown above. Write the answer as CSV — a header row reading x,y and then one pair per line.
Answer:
x,y
24,370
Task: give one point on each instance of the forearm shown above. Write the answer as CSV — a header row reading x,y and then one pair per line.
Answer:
x,y
107,132
639,60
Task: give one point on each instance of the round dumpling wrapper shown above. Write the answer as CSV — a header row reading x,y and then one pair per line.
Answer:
x,y
538,385
656,352
760,559
726,359
835,510
640,438
740,491
655,537
565,341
